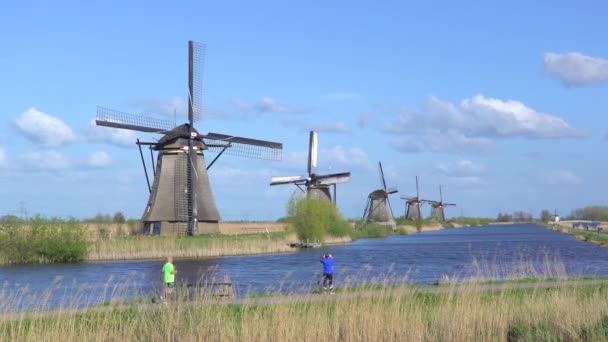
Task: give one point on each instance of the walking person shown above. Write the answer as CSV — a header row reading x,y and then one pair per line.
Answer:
x,y
168,271
328,271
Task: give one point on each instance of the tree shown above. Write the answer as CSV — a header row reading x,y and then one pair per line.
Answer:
x,y
119,218
504,217
546,216
522,216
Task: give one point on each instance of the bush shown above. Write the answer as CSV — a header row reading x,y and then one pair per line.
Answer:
x,y
43,241
119,217
372,230
312,219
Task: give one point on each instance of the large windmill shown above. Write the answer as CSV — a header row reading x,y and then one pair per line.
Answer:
x,y
314,185
378,208
181,201
437,207
412,205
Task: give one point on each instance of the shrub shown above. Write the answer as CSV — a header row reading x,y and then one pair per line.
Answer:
x,y
119,217
44,241
372,230
312,219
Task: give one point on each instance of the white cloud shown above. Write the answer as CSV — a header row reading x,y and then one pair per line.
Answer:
x,y
576,69
114,136
460,168
334,159
3,161
334,127
99,159
43,160
44,129
561,177
450,141
339,156
363,120
267,105
472,125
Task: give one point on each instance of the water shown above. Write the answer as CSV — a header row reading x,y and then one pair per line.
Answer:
x,y
497,252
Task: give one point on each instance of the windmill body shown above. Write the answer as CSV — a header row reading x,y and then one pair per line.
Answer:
x,y
315,186
378,207
437,207
412,205
181,201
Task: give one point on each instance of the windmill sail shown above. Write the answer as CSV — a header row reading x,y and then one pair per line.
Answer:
x,y
115,119
312,152
317,186
378,208
243,147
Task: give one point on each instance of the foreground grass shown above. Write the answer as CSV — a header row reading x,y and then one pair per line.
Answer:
x,y
152,247
538,314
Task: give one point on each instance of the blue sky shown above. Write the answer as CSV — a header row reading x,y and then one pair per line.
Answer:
x,y
502,103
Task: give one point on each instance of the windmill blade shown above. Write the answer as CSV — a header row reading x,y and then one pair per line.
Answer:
x,y
408,198
313,145
440,194
196,62
392,190
115,119
390,208
243,147
335,178
286,180
417,192
449,204
382,180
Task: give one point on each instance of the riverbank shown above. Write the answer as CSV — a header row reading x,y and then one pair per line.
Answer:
x,y
108,242
592,236
469,312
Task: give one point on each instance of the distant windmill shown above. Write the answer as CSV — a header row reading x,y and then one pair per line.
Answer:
x,y
413,204
314,185
437,207
378,208
181,201
555,216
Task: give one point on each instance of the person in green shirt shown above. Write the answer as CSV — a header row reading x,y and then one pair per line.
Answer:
x,y
169,271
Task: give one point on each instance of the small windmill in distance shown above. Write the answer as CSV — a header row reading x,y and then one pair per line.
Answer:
x,y
555,216
314,185
378,208
437,207
412,205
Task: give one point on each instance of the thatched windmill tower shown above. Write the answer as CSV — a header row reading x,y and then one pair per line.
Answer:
x,y
378,208
412,205
181,201
437,207
314,185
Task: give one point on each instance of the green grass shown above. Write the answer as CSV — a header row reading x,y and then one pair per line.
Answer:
x,y
551,314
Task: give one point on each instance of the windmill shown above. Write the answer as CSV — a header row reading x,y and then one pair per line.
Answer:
x,y
314,185
437,207
378,208
555,216
181,201
412,205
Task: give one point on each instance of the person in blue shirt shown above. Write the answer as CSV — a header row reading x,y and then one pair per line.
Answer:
x,y
328,271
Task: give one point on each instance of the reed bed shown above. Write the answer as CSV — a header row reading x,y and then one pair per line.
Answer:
x,y
462,313
153,247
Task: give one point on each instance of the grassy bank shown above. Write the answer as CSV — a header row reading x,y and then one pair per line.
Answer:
x,y
152,247
587,236
537,314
